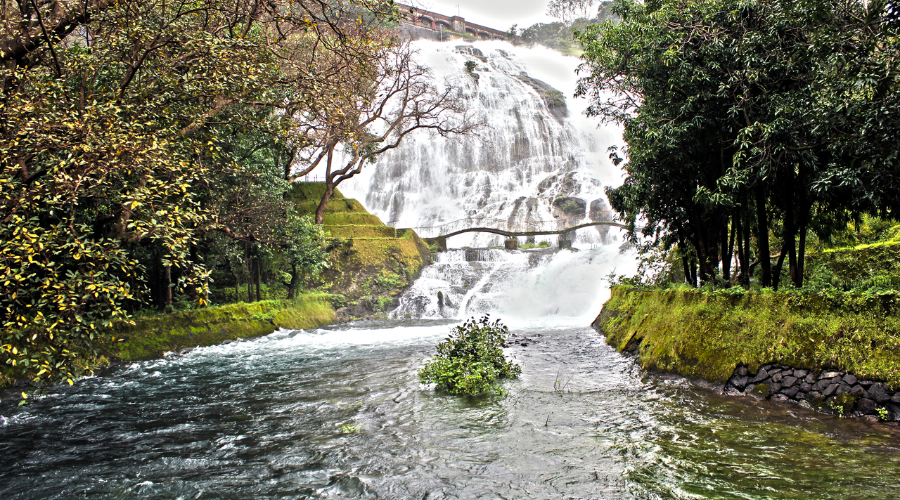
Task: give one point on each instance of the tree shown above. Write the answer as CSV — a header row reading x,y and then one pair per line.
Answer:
x,y
735,116
303,244
569,10
115,160
382,104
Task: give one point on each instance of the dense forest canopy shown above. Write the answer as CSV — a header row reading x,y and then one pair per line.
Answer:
x,y
147,151
749,124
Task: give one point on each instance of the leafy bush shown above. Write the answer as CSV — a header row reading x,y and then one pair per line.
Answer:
x,y
470,361
390,281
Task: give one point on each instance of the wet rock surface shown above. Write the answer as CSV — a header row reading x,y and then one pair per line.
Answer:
x,y
831,391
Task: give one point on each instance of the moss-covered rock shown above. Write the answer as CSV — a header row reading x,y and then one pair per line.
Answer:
x,y
706,335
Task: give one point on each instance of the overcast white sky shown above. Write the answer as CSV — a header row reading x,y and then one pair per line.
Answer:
x,y
497,14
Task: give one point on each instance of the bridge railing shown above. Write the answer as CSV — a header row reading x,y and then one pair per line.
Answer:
x,y
512,226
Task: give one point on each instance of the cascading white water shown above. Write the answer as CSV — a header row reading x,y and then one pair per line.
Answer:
x,y
531,287
537,158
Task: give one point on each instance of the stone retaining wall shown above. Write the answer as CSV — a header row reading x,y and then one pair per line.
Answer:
x,y
833,391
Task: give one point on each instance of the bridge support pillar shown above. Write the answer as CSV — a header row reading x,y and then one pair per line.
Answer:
x,y
511,244
566,239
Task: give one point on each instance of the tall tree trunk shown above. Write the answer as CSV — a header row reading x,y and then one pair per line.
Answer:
x,y
292,286
790,231
727,251
320,211
168,283
801,257
762,238
258,273
250,281
776,272
748,230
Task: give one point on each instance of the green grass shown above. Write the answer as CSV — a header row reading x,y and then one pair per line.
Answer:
x,y
706,334
151,337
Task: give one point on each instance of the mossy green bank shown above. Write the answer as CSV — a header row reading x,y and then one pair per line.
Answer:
x,y
371,263
701,334
152,336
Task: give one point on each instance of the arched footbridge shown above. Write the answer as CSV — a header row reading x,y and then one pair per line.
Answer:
x,y
514,228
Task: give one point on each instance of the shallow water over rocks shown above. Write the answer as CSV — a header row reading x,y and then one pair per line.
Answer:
x,y
339,413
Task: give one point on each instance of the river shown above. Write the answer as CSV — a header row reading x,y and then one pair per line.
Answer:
x,y
339,413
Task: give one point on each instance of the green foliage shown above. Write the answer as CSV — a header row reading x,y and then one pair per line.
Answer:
x,y
743,122
471,361
384,303
389,281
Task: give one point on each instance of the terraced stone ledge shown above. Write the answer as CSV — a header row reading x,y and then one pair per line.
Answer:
x,y
833,391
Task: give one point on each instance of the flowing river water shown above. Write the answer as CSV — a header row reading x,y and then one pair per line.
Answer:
x,y
339,413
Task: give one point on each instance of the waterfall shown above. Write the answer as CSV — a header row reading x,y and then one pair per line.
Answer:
x,y
537,158
524,287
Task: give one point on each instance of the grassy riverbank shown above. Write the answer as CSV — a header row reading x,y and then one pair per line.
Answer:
x,y
152,336
704,334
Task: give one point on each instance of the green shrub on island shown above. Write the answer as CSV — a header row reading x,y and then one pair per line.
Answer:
x,y
470,361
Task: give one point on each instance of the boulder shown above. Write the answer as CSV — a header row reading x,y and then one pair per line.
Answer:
x,y
791,392
570,206
739,382
878,394
760,390
761,375
866,406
